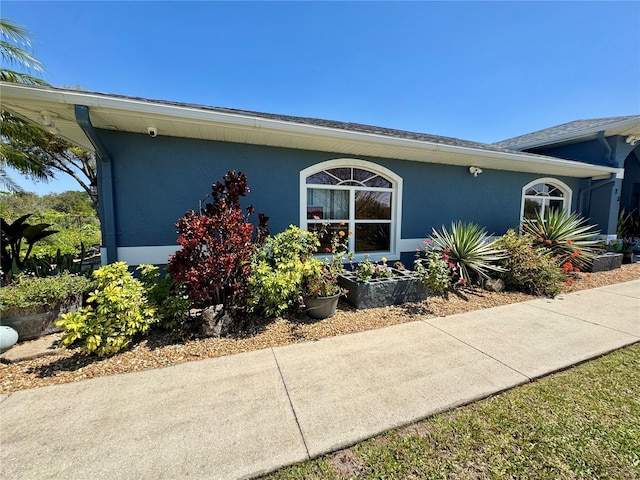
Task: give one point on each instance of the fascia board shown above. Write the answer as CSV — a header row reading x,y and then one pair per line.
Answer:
x,y
134,107
302,130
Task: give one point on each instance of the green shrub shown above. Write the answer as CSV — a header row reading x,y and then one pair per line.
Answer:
x,y
116,311
469,248
27,292
169,298
528,269
566,236
278,269
435,272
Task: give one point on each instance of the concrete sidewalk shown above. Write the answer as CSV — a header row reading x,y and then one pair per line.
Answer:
x,y
247,414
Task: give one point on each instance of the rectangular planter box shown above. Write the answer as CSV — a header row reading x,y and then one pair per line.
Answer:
x,y
403,287
607,261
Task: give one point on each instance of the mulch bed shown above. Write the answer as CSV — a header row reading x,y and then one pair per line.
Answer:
x,y
161,349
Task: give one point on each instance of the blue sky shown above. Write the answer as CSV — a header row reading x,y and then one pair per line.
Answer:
x,y
482,71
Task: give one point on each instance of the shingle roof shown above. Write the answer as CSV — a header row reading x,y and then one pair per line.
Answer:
x,y
348,126
566,129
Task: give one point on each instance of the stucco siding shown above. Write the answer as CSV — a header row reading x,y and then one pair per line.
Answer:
x,y
157,179
591,151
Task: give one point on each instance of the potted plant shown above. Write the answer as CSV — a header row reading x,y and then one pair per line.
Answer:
x,y
320,288
375,284
31,305
321,292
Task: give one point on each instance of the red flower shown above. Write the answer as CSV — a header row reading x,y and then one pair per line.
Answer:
x,y
447,249
463,281
327,249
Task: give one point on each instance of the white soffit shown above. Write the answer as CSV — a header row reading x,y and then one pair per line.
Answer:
x,y
134,115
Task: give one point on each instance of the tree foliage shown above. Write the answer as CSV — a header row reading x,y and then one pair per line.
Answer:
x,y
71,213
25,147
40,155
14,50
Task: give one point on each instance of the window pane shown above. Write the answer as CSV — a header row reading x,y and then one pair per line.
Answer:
x,y
327,204
362,175
534,189
554,192
325,237
532,206
373,205
556,204
322,178
378,182
373,237
341,173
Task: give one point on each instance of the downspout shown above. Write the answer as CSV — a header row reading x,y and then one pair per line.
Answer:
x,y
609,155
106,204
593,187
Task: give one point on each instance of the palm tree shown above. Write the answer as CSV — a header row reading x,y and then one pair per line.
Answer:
x,y
14,40
28,148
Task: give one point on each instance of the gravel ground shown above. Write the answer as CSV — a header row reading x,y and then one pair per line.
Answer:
x,y
159,349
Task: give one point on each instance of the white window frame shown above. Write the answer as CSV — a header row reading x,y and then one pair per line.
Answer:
x,y
566,190
396,202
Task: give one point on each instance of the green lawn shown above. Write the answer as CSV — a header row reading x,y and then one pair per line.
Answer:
x,y
580,423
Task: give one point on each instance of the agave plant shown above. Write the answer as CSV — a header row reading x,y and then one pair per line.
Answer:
x,y
567,236
468,246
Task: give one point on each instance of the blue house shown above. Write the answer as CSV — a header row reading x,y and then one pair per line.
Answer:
x,y
156,159
612,142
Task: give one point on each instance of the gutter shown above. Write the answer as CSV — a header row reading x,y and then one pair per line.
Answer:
x,y
106,204
609,155
466,155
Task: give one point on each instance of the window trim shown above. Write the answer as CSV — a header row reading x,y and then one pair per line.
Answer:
x,y
566,190
396,192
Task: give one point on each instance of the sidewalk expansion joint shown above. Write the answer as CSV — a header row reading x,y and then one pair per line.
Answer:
x,y
582,320
426,320
295,415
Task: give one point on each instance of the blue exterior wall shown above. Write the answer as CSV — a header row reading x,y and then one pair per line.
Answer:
x,y
603,203
157,179
630,198
591,151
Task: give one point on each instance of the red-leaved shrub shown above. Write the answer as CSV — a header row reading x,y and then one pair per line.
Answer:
x,y
216,245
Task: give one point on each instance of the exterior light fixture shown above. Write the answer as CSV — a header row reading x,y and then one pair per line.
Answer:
x,y
475,171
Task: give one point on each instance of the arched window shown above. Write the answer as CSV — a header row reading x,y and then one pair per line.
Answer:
x,y
356,195
544,194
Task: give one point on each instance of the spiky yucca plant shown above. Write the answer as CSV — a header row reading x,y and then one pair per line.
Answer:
x,y
468,246
567,236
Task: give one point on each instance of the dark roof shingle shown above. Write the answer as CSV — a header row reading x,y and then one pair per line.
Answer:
x,y
549,134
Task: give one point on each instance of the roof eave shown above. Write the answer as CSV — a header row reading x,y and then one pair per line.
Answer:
x,y
273,132
615,128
